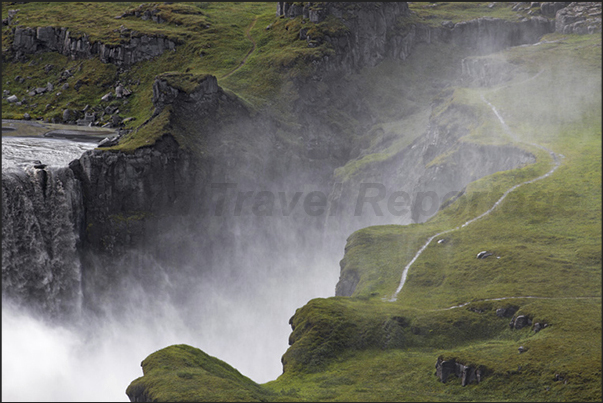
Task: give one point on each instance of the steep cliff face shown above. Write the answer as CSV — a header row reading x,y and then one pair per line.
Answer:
x,y
54,39
379,30
417,182
150,181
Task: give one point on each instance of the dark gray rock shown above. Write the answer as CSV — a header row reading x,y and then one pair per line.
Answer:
x,y
468,374
119,91
373,33
549,8
116,120
26,116
520,322
206,94
506,312
12,98
52,39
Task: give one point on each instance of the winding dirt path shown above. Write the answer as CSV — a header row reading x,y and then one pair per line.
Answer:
x,y
248,35
556,162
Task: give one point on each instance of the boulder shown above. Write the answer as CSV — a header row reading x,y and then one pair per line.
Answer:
x,y
107,97
67,115
12,98
119,91
26,116
467,373
484,254
108,142
520,322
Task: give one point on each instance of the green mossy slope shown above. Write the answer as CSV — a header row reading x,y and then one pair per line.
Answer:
x,y
183,373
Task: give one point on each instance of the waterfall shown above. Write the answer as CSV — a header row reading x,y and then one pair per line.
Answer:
x,y
42,215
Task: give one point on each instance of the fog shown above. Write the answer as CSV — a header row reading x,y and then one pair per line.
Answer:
x,y
243,321
233,303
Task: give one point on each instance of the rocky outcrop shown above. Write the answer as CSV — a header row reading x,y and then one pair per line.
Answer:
x,y
519,322
205,94
579,18
52,39
144,13
468,373
376,31
549,8
199,377
153,180
428,172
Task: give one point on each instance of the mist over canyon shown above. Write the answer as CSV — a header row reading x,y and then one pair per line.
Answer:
x,y
214,218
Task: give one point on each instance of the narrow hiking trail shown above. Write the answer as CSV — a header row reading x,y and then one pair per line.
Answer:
x,y
504,298
556,161
248,35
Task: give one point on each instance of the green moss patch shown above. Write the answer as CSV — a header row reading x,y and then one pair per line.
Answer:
x,y
184,373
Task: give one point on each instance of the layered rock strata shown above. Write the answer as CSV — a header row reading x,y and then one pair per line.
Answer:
x,y
54,39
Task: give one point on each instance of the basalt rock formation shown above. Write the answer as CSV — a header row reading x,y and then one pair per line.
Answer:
x,y
55,39
579,18
374,32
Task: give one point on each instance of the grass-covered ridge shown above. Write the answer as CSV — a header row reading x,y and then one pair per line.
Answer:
x,y
211,38
546,233
179,372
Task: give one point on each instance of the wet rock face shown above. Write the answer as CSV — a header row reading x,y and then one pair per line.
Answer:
x,y
151,180
52,39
